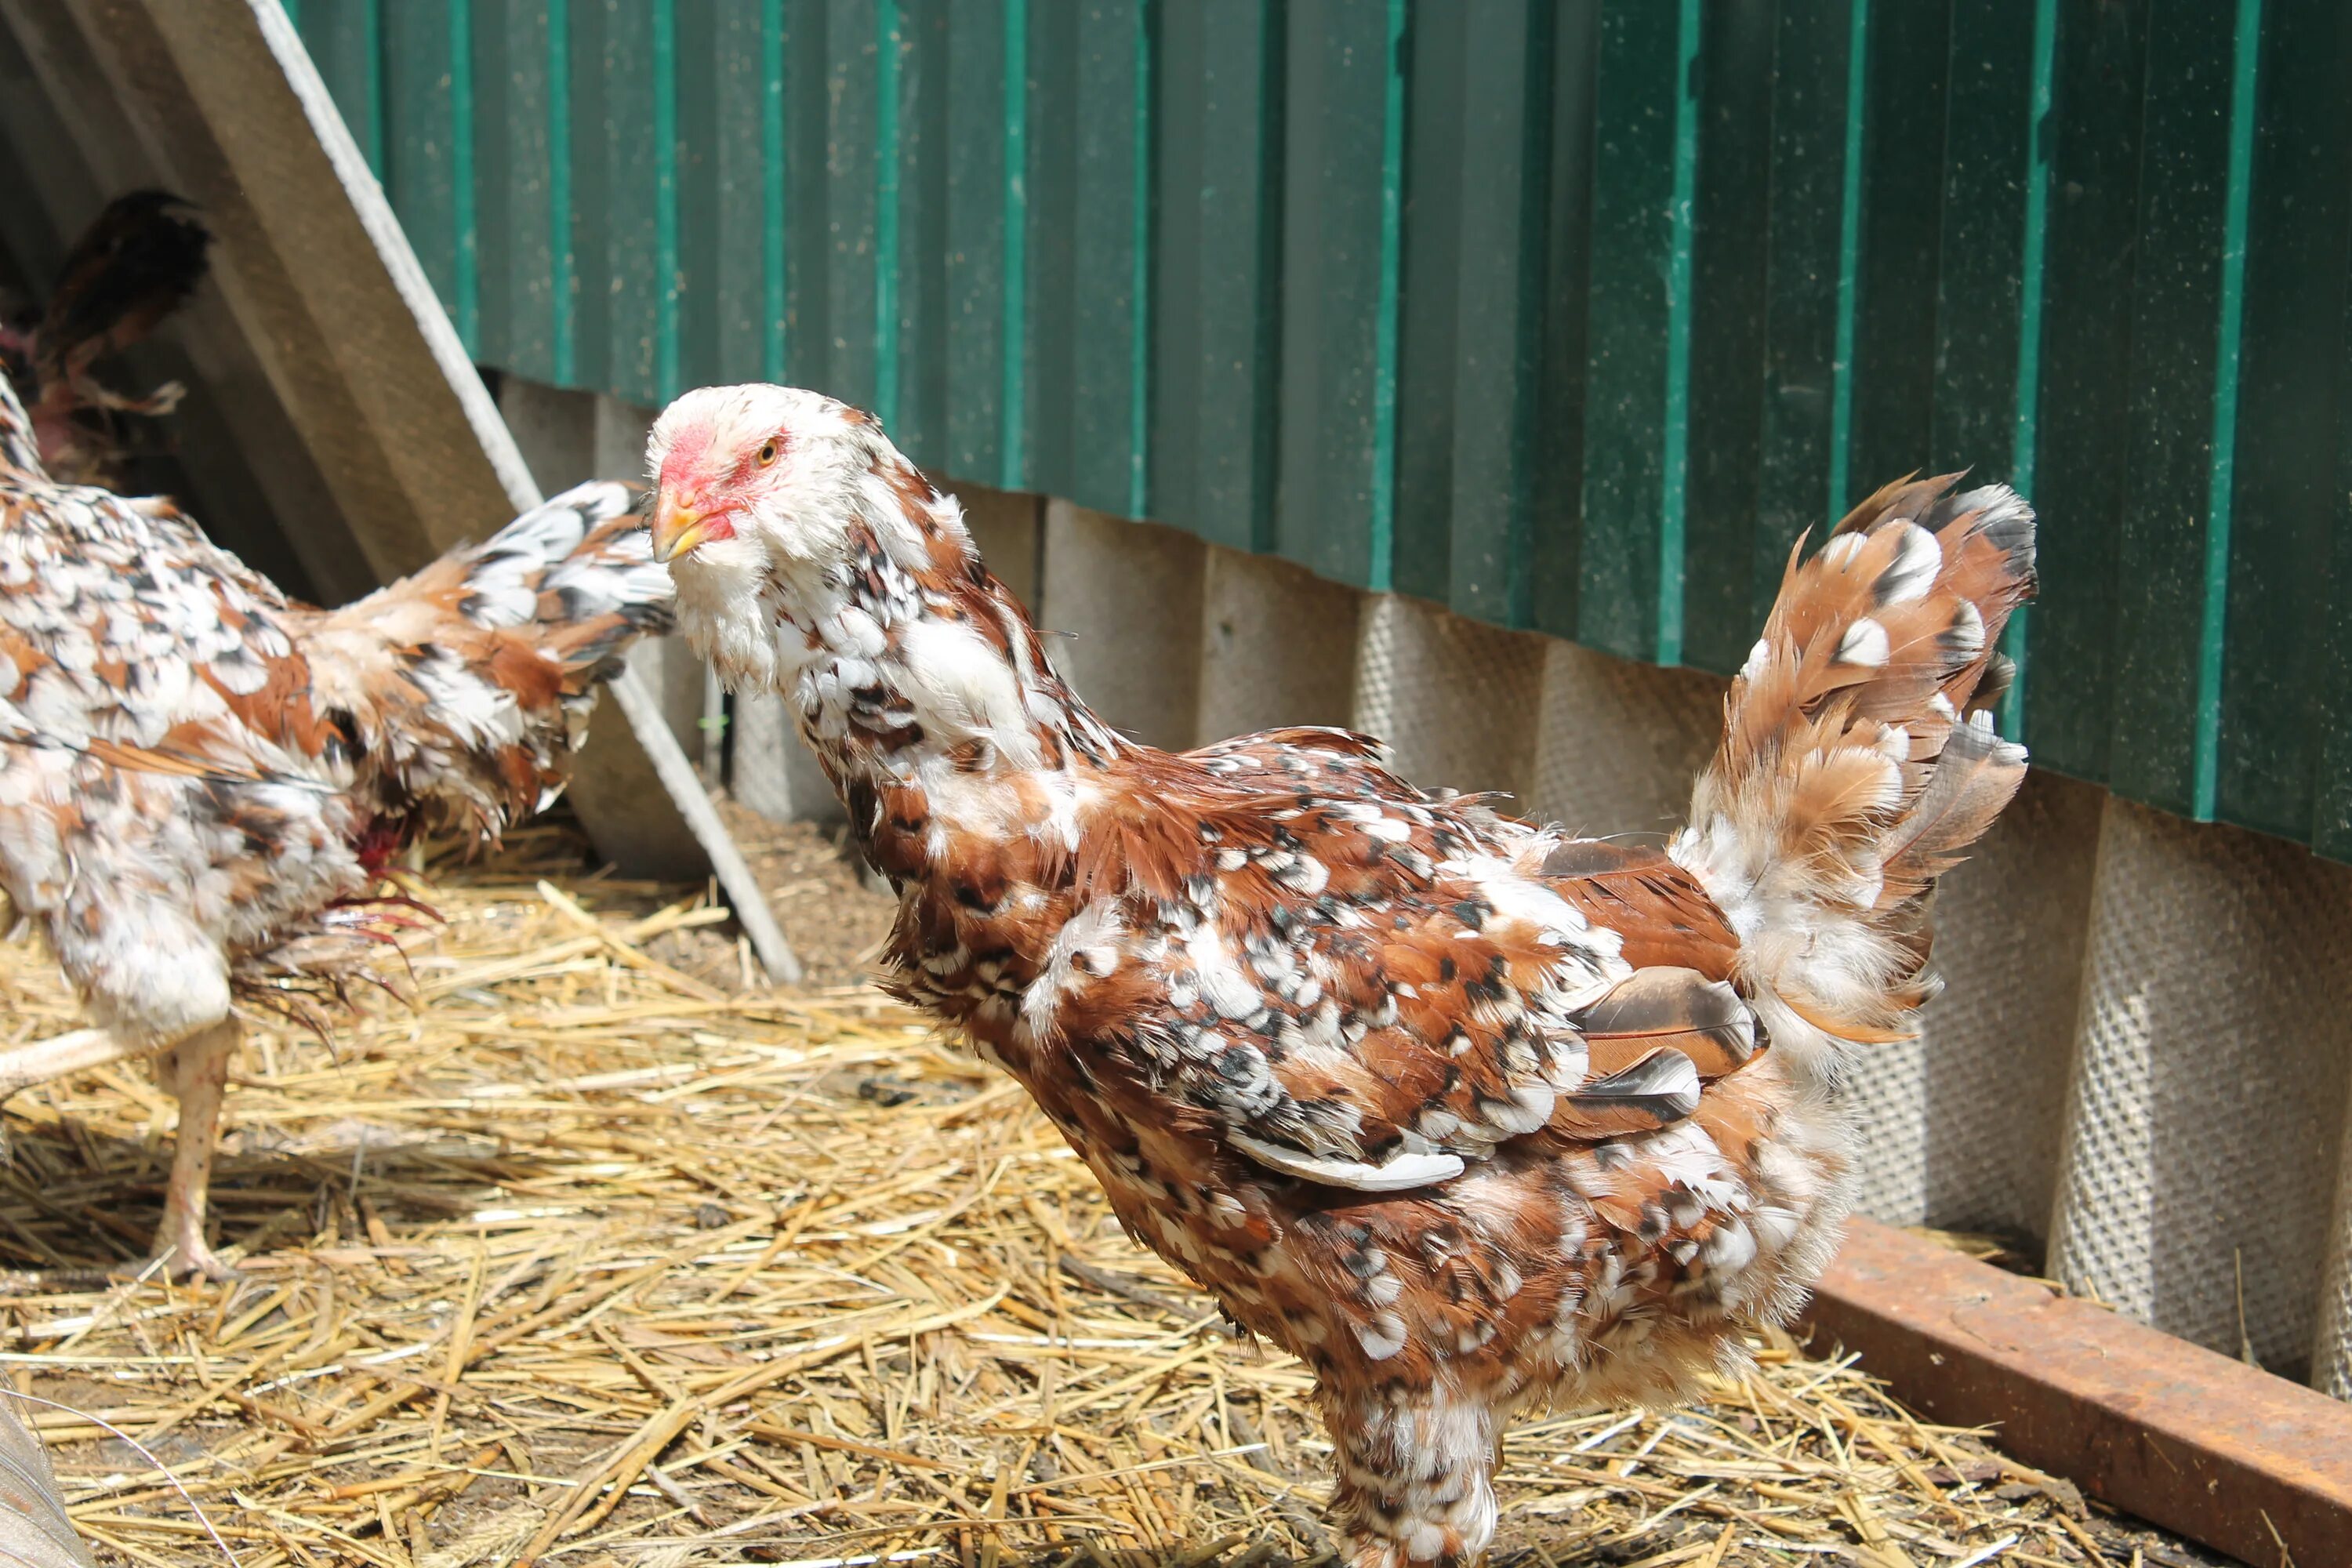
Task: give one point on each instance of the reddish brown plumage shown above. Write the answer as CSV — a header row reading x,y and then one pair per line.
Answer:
x,y
1465,1114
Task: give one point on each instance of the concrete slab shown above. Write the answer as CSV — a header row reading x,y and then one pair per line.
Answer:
x,y
1124,600
1454,699
2207,1110
1278,647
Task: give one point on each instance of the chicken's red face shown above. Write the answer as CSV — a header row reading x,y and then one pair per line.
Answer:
x,y
776,509
752,475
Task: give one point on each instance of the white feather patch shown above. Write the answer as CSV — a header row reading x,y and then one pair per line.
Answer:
x,y
1400,1174
1967,636
1841,550
1917,559
1865,645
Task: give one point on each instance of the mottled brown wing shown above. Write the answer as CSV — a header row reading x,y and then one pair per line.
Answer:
x,y
1386,985
469,684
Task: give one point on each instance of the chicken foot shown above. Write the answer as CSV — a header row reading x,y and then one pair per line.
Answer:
x,y
195,1072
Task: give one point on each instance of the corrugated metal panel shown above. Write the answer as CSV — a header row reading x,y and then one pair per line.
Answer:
x,y
1567,315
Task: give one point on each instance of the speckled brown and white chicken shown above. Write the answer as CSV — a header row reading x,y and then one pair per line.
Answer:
x,y
201,780
1464,1113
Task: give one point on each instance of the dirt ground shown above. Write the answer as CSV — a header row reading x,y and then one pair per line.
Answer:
x,y
602,1253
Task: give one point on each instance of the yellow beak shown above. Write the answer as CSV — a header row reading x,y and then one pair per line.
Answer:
x,y
676,531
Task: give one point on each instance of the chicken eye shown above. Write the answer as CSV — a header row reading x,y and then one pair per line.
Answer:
x,y
767,453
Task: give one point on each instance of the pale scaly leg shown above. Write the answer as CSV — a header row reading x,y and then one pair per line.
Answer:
x,y
1414,1488
195,1071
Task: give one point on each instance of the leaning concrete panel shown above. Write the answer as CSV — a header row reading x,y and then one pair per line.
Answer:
x,y
1618,744
1008,529
211,108
1455,699
1961,1126
2205,1118
65,145
1123,603
1277,646
2331,1362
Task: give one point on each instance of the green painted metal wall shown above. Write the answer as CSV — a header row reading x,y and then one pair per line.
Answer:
x,y
1570,315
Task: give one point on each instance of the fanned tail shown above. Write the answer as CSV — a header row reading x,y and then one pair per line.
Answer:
x,y
1858,760
469,684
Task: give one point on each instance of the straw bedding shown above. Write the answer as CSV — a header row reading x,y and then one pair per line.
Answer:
x,y
599,1255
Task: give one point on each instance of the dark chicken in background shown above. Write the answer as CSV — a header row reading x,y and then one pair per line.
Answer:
x,y
137,262
1467,1114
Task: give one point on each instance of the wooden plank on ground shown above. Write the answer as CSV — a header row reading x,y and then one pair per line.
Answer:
x,y
2250,1464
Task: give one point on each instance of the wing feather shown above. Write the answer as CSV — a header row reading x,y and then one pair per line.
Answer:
x,y
1369,988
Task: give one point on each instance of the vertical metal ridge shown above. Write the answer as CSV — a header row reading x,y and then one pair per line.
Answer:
x,y
467,279
2221,474
1014,456
1674,489
1380,571
775,215
2025,439
1857,80
1266,316
1539,38
562,326
665,256
372,120
1138,428
886,213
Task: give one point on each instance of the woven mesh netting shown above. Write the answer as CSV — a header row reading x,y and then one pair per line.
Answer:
x,y
2331,1368
1455,700
2205,1119
1620,744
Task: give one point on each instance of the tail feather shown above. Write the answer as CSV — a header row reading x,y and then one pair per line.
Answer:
x,y
470,682
1858,760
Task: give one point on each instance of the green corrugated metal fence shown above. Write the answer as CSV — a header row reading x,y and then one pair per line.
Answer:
x,y
1568,315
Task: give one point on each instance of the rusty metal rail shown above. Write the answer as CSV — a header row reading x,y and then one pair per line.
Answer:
x,y
2219,1451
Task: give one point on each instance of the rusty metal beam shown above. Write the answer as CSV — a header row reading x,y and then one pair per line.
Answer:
x,y
2217,1450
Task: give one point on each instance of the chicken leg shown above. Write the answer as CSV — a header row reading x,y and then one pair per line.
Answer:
x,y
195,1071
1415,1487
